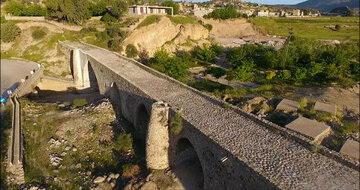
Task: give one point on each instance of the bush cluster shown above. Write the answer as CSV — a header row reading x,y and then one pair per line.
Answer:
x,y
19,9
113,36
131,51
300,60
9,31
225,13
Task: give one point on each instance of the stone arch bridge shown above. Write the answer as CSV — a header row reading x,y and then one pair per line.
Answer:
x,y
235,150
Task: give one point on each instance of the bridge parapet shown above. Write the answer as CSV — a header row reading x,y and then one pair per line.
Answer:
x,y
235,149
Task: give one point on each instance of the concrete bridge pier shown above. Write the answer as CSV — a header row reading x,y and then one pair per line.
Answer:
x,y
157,138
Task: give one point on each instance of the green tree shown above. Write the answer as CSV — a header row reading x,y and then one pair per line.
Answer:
x,y
9,31
73,11
152,2
205,53
172,4
97,9
118,8
15,8
175,67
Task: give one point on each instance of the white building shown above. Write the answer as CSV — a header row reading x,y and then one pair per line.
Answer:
x,y
151,10
262,13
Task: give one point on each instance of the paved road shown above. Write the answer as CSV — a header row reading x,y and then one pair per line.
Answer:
x,y
13,71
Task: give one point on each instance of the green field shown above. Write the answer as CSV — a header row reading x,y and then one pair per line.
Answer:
x,y
313,28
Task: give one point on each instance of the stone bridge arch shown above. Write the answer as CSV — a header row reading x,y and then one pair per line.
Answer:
x,y
115,99
142,118
187,166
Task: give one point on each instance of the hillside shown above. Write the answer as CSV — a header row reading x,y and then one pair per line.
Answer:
x,y
328,5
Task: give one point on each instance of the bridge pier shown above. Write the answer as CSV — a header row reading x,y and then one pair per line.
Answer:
x,y
157,139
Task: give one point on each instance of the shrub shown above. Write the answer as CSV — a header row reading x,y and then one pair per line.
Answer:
x,y
284,75
176,125
9,31
208,26
38,33
175,67
225,13
123,142
217,49
217,72
270,75
79,102
34,10
131,51
349,127
15,8
337,27
114,31
130,171
114,45
144,57
108,18
172,4
205,53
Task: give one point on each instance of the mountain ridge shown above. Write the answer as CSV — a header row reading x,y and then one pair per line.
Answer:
x,y
328,5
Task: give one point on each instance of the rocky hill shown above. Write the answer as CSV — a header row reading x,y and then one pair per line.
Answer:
x,y
328,5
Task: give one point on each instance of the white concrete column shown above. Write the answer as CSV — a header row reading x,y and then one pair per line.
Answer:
x,y
157,138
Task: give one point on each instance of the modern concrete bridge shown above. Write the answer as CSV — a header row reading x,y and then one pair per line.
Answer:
x,y
236,150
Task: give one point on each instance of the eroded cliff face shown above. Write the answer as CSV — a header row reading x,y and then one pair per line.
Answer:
x,y
231,28
166,34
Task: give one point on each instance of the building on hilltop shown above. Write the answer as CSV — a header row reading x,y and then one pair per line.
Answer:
x,y
150,10
262,13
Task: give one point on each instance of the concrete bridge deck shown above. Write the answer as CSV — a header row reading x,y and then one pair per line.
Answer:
x,y
283,162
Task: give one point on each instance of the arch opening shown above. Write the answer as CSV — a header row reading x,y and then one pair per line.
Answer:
x,y
188,166
142,120
114,96
92,78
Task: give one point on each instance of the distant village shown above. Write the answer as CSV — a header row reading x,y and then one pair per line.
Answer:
x,y
250,9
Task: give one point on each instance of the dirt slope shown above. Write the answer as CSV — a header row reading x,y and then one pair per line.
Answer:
x,y
232,28
154,36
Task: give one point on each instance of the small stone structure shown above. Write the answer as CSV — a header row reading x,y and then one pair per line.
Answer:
x,y
316,131
288,105
351,149
27,18
319,106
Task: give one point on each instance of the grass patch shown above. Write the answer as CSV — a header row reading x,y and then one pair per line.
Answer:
x,y
6,119
123,142
95,148
38,33
208,86
149,20
349,127
312,28
79,103
182,20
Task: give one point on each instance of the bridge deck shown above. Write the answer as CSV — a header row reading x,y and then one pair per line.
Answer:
x,y
284,162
